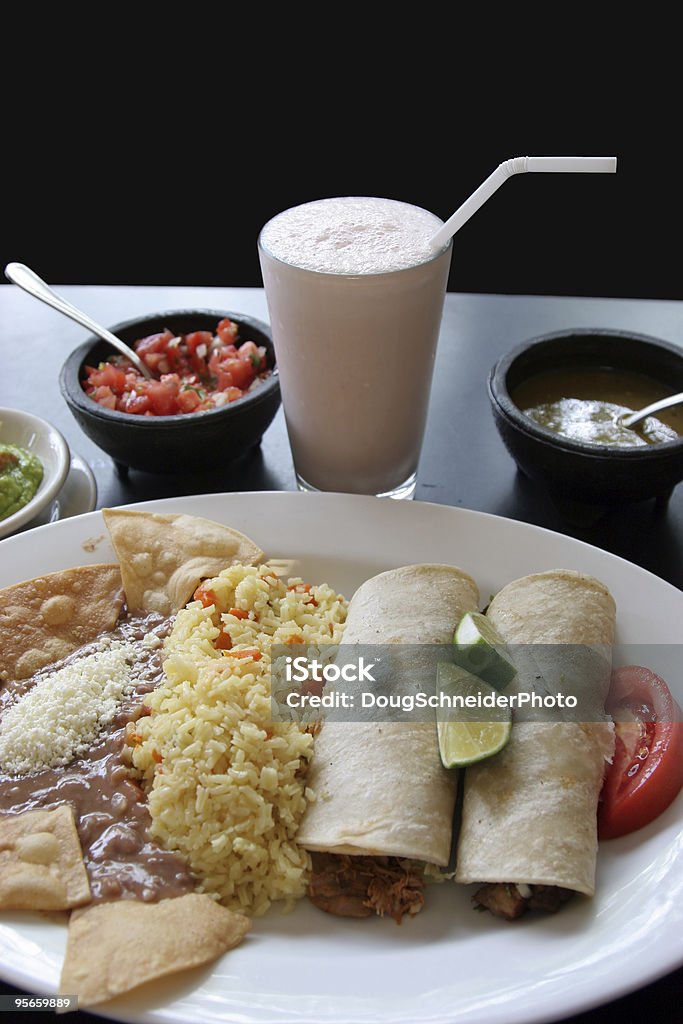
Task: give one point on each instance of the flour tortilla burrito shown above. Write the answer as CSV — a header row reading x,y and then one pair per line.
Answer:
x,y
528,825
381,789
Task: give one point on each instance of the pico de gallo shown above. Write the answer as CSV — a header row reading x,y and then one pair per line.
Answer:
x,y
192,372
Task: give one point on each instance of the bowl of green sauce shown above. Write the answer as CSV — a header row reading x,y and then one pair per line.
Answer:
x,y
34,464
558,402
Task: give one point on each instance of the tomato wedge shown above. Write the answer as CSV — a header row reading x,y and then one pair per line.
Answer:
x,y
647,772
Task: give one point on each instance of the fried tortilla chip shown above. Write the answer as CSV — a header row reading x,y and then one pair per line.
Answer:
x,y
164,557
41,864
45,619
114,947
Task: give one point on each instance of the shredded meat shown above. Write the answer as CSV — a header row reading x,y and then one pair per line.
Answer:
x,y
360,886
501,899
548,898
505,900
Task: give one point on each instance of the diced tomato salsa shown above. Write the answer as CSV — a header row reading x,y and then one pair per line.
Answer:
x,y
192,372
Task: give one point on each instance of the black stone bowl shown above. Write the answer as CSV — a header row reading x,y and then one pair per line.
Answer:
x,y
186,443
590,474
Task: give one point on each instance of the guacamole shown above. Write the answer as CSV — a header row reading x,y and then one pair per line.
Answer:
x,y
20,476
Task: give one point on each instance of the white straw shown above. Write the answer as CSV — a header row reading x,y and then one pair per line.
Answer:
x,y
519,165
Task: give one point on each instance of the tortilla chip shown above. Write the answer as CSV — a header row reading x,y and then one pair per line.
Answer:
x,y
164,557
41,864
114,947
44,619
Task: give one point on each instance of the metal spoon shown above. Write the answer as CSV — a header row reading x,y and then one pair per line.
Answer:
x,y
22,275
663,403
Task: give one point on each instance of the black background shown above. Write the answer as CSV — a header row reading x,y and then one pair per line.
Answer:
x,y
190,214
162,171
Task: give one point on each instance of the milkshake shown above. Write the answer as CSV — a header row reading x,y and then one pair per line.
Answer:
x,y
355,295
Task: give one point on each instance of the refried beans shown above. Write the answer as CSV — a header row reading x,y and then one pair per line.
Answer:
x,y
110,807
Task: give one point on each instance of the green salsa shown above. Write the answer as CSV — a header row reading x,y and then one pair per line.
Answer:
x,y
585,403
20,475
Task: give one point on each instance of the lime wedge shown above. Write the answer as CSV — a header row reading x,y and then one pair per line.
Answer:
x,y
469,734
478,648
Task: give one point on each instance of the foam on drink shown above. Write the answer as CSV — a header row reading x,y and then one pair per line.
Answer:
x,y
352,235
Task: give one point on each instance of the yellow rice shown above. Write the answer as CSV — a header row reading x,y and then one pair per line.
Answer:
x,y
226,784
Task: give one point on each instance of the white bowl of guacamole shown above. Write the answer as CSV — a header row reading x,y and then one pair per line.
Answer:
x,y
34,463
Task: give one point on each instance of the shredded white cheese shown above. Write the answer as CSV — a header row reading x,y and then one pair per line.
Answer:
x,y
63,713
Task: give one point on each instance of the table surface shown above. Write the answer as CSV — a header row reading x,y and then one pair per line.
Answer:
x,y
463,461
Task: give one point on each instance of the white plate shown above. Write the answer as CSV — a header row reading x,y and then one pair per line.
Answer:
x,y
449,964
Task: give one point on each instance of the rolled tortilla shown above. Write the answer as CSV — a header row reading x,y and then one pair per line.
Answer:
x,y
381,788
529,813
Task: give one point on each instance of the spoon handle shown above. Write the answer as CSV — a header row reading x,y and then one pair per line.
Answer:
x,y
663,403
27,279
